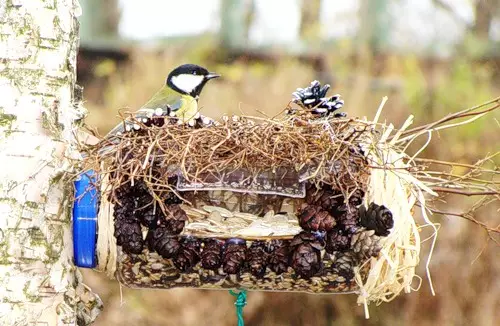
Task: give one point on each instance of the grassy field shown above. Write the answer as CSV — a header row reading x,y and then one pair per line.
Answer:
x,y
465,264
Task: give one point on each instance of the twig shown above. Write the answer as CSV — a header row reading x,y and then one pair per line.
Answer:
x,y
466,193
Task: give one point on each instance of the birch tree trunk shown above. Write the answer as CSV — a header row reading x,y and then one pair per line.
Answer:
x,y
39,285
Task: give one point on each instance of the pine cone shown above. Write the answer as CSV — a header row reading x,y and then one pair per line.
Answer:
x,y
279,253
234,255
356,198
124,212
163,242
188,255
175,219
325,197
344,267
347,217
376,217
314,218
129,236
337,240
172,199
365,244
306,254
314,98
257,258
148,216
211,256
124,192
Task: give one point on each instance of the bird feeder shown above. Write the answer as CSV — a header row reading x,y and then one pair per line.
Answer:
x,y
306,202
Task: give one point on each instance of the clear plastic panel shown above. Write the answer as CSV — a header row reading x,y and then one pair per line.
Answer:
x,y
281,182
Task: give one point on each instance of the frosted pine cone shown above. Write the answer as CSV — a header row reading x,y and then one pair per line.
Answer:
x,y
314,98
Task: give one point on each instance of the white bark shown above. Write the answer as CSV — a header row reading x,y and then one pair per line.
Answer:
x,y
39,284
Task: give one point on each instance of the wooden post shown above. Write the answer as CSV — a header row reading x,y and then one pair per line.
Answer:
x,y
39,285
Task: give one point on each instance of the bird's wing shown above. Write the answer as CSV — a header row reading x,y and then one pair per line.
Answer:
x,y
164,99
184,106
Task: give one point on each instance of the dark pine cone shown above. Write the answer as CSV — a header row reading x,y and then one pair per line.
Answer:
x,y
278,255
306,254
172,199
356,198
257,258
347,217
174,220
211,256
234,255
149,215
325,197
315,218
188,255
163,242
129,236
124,212
337,240
376,217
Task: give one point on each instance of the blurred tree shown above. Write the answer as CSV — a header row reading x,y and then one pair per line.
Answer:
x,y
310,22
236,20
100,21
38,280
375,25
485,11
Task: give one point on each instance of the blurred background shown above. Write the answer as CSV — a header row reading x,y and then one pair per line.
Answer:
x,y
430,57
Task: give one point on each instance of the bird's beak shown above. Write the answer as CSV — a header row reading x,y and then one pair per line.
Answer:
x,y
212,75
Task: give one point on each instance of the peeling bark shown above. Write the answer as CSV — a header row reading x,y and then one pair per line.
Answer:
x,y
39,285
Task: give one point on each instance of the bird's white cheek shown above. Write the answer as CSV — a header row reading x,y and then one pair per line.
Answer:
x,y
187,82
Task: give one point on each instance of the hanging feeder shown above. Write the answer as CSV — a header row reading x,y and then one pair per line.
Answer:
x,y
303,203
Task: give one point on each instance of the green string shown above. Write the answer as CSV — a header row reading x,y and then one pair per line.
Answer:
x,y
241,301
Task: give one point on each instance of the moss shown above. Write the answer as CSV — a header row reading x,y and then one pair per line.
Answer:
x,y
31,204
37,237
9,200
31,297
23,78
6,120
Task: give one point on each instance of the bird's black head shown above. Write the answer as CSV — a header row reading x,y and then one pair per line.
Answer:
x,y
189,79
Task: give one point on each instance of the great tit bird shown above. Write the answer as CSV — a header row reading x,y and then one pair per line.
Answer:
x,y
177,98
